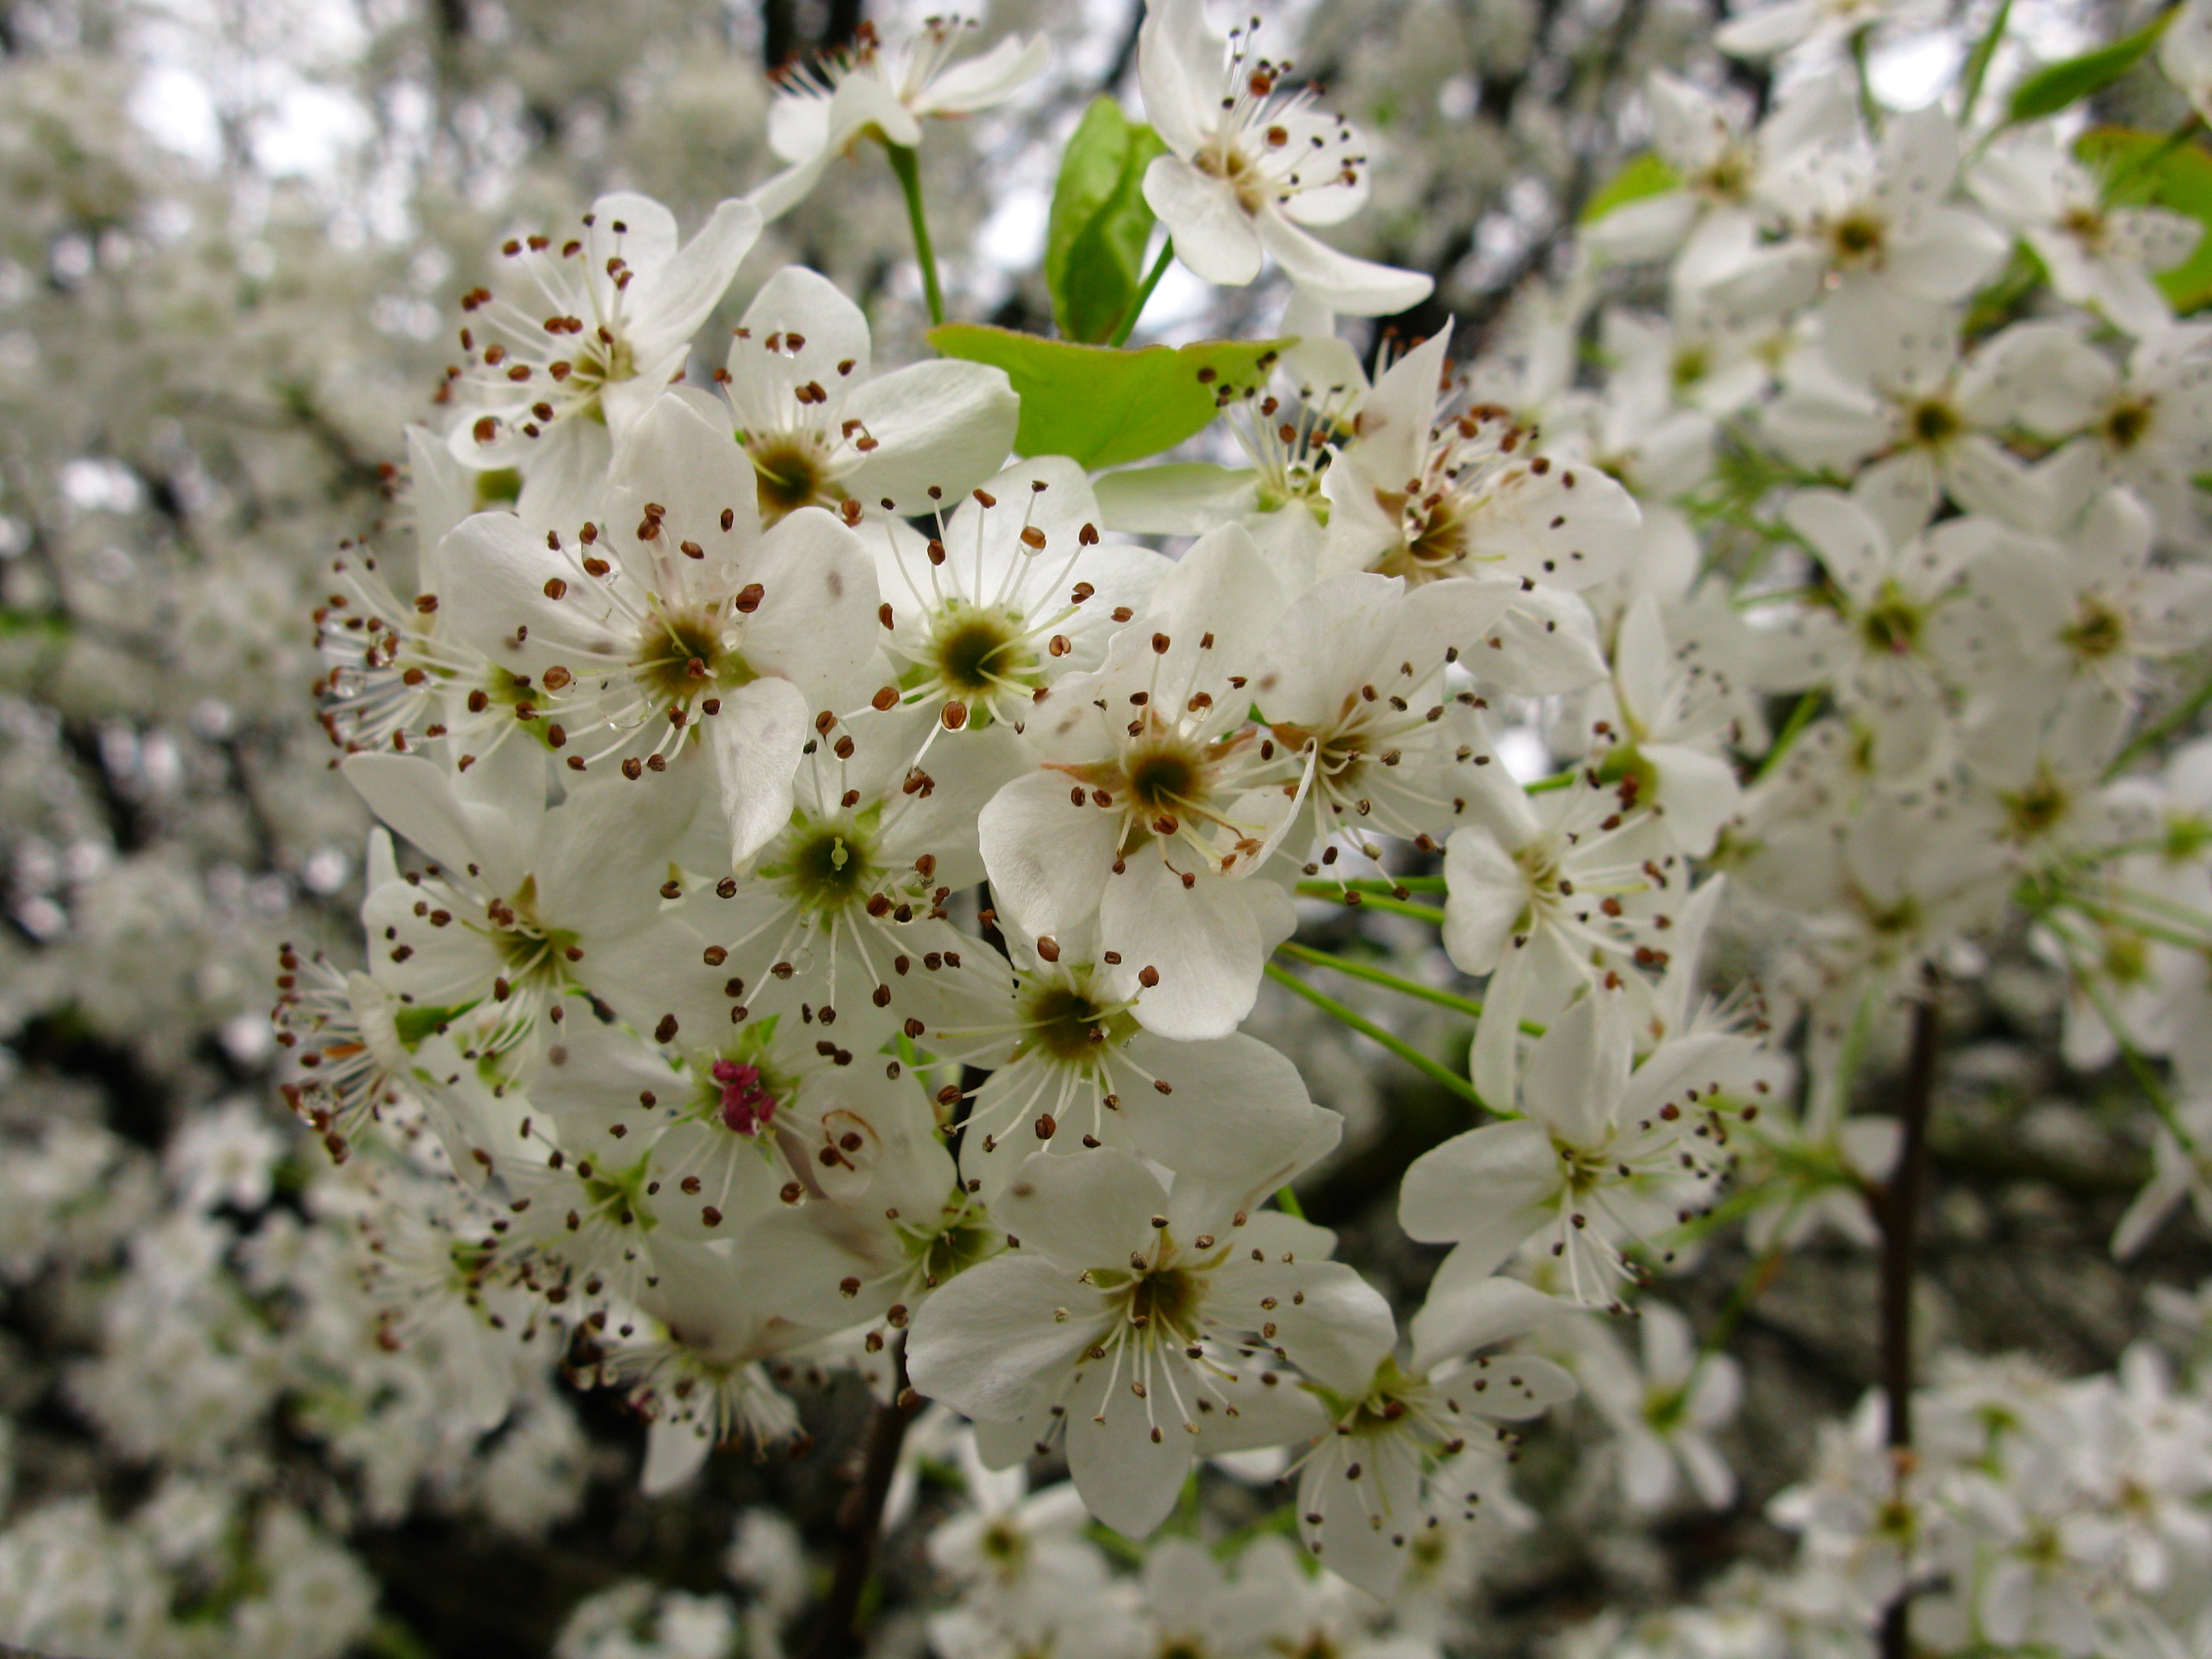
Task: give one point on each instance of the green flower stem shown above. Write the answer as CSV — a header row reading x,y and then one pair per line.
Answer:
x,y
906,166
1397,887
2149,927
1435,1070
2175,719
1978,60
1127,325
1800,718
1349,895
1762,1273
1398,982
2146,1079
1869,110
1388,981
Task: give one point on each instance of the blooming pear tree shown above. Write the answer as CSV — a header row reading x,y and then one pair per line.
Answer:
x,y
901,841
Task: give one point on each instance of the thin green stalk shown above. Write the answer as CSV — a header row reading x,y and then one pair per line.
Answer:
x,y
1434,1070
1977,64
2161,729
1354,899
1398,982
1392,887
1388,981
1287,1202
906,166
1800,718
2149,927
1127,325
1869,110
1748,1290
1546,786
2157,904
2147,1080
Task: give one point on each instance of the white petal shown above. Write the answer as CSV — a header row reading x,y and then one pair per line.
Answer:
x,y
1213,234
1578,1068
1486,895
980,83
1453,1190
986,1343
1128,1479
1083,1212
1462,1314
948,424
1179,70
1207,942
679,296
1047,860
756,741
1358,288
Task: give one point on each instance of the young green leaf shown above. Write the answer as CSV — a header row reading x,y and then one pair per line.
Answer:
x,y
2055,85
2149,167
1104,407
1094,251
1646,175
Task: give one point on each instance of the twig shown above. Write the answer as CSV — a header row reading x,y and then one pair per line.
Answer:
x,y
1900,1225
860,1517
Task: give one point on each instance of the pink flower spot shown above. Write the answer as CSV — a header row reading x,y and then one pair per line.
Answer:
x,y
746,1106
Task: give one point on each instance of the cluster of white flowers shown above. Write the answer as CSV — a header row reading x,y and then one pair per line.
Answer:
x,y
2033,1514
842,825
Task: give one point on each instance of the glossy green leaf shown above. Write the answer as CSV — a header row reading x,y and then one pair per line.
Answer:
x,y
1647,175
1094,252
2055,85
1103,406
2149,167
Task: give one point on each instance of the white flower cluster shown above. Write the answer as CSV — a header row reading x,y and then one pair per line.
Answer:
x,y
2032,1515
837,848
704,745
706,740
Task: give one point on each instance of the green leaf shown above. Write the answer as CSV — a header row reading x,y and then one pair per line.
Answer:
x,y
1102,406
1647,175
1094,251
2055,85
2149,167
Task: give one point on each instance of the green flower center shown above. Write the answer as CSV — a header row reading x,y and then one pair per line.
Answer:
x,y
2126,423
2098,631
975,653
1935,423
1164,777
790,472
1892,623
680,655
1856,237
1069,1026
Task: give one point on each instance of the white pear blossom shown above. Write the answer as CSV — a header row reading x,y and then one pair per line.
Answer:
x,y
1252,164
584,329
